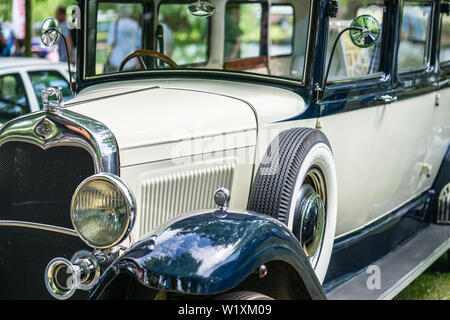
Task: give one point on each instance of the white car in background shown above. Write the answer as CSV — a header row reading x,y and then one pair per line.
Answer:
x,y
21,83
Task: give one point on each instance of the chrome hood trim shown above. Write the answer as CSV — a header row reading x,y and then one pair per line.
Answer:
x,y
66,128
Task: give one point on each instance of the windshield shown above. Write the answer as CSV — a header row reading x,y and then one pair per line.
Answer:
x,y
245,36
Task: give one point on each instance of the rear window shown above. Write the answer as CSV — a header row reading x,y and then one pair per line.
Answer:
x,y
281,30
182,46
243,30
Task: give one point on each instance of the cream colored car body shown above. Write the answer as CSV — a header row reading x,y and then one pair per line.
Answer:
x,y
170,133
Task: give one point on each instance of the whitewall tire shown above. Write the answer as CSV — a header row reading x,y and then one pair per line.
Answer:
x,y
296,183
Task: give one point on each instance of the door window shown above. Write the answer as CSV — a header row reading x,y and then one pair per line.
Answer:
x,y
13,98
45,79
416,22
350,61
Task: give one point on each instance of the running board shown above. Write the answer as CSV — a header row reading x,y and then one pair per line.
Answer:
x,y
398,269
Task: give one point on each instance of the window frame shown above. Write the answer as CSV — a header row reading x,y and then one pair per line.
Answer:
x,y
402,72
293,31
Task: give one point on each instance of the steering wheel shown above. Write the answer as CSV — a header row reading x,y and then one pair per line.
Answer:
x,y
147,53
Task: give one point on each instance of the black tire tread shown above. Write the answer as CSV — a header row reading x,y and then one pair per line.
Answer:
x,y
243,295
271,194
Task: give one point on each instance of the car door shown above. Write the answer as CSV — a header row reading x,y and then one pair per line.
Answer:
x,y
353,114
13,97
444,56
417,115
379,126
439,130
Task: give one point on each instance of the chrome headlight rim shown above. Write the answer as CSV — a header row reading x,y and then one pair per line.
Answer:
x,y
126,193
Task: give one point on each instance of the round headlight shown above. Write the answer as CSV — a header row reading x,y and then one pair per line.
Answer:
x,y
103,210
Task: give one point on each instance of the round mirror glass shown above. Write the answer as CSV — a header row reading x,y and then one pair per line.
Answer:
x,y
49,33
201,9
368,31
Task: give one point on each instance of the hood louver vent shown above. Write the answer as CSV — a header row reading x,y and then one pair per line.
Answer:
x,y
166,196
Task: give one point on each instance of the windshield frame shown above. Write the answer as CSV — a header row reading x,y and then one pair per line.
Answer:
x,y
82,58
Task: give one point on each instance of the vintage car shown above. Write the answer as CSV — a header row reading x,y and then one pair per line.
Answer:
x,y
217,150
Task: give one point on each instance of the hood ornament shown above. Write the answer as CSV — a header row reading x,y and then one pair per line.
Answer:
x,y
54,105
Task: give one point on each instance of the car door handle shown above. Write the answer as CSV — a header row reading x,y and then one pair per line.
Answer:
x,y
386,98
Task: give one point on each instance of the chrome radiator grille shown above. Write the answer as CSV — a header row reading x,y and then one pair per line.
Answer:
x,y
443,209
165,196
37,185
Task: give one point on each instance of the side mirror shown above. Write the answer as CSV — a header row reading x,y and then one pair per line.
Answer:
x,y
49,32
201,9
364,33
49,35
369,31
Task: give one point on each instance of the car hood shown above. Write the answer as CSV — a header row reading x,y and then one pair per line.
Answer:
x,y
151,122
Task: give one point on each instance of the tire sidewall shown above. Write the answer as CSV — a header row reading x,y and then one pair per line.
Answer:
x,y
320,156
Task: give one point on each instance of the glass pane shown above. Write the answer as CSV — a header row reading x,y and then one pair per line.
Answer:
x,y
241,36
242,30
350,61
444,53
119,33
413,37
45,79
184,36
281,30
13,99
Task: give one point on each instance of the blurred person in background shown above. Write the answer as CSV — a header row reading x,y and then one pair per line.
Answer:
x,y
19,50
60,15
124,37
3,44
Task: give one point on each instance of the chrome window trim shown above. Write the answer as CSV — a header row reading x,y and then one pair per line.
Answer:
x,y
39,226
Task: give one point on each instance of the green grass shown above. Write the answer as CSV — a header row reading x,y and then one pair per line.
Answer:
x,y
433,284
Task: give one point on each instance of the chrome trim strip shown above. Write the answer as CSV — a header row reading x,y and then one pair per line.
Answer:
x,y
401,284
40,226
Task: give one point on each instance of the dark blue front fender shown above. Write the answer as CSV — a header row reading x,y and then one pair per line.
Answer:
x,y
209,253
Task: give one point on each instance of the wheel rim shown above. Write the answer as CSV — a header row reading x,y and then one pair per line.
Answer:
x,y
310,214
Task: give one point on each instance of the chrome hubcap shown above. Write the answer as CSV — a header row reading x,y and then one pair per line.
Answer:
x,y
310,215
